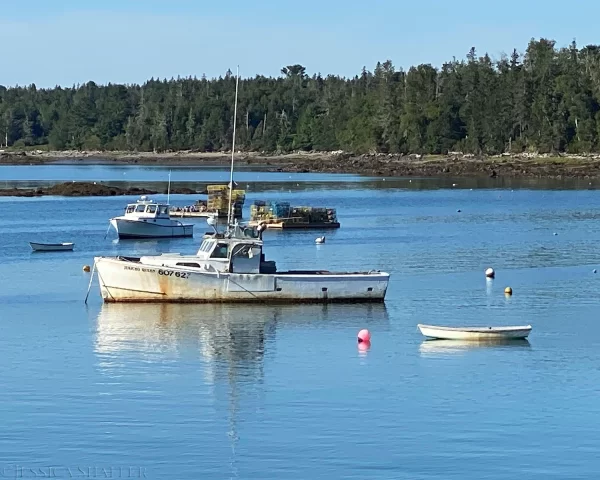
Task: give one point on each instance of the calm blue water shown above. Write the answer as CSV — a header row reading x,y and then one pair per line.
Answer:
x,y
137,173
249,392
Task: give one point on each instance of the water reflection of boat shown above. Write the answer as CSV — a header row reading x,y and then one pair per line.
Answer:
x,y
234,331
461,346
230,340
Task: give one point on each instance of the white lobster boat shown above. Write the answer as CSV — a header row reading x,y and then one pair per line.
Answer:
x,y
148,219
229,267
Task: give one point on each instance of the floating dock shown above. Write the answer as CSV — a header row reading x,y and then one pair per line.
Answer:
x,y
288,225
282,216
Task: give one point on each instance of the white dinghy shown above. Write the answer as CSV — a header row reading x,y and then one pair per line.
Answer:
x,y
474,333
51,247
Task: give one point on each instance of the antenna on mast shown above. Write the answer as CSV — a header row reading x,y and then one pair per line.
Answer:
x,y
237,78
169,188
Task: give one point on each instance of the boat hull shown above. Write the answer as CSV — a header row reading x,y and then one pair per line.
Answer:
x,y
149,229
51,247
127,281
474,333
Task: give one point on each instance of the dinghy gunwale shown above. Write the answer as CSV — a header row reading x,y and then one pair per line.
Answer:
x,y
512,328
474,333
63,244
52,247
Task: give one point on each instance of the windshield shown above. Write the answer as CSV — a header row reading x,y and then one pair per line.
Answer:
x,y
220,251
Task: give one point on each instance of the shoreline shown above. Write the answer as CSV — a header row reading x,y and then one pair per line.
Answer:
x,y
376,165
89,189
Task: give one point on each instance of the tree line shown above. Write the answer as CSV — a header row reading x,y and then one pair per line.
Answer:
x,y
546,100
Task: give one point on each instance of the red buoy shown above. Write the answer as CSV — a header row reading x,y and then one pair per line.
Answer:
x,y
364,336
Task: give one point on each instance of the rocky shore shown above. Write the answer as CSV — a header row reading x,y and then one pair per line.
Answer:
x,y
454,164
85,189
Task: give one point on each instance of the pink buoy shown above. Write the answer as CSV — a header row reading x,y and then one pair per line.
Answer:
x,y
364,336
363,346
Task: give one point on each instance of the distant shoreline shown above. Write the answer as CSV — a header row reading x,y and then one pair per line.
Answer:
x,y
384,165
91,189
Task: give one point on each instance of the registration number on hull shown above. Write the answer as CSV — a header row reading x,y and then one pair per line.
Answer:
x,y
172,273
166,273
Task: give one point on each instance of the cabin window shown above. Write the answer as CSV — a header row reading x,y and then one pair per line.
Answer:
x,y
220,251
140,208
130,208
185,264
206,246
163,209
151,208
247,250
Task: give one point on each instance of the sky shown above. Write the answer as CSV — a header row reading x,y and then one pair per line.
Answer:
x,y
67,42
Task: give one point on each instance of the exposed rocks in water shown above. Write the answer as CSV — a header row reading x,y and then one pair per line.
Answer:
x,y
86,189
438,166
453,164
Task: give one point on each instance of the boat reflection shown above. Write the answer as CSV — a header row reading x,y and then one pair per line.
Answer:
x,y
234,331
433,347
229,340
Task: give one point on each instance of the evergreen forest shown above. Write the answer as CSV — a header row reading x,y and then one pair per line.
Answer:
x,y
545,99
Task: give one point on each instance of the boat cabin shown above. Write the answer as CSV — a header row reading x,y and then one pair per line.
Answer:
x,y
145,208
234,255
239,250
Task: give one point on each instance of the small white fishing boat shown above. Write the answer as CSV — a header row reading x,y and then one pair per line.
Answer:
x,y
51,247
474,333
147,219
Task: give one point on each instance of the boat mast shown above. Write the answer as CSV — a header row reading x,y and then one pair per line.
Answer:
x,y
169,188
237,78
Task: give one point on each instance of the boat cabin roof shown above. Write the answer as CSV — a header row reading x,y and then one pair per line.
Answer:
x,y
147,208
221,247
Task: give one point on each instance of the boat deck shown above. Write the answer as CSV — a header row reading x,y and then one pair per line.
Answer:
x,y
284,272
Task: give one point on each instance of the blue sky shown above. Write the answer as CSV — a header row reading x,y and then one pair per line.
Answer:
x,y
50,42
